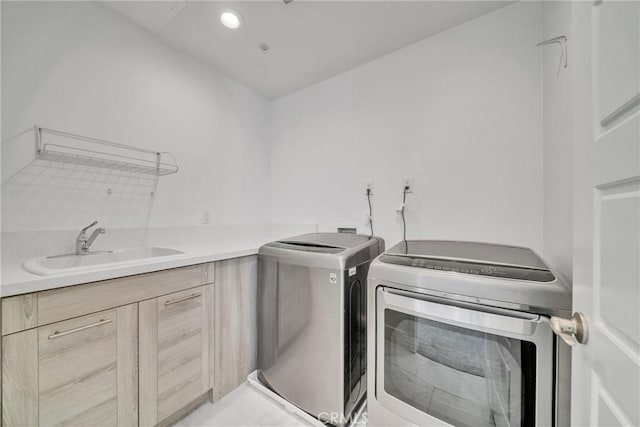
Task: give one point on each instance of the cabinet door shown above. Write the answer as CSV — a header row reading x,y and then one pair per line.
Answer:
x,y
235,349
79,371
174,352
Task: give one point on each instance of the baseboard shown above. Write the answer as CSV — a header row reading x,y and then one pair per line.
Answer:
x,y
184,411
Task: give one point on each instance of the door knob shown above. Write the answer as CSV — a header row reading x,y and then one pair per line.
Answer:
x,y
572,331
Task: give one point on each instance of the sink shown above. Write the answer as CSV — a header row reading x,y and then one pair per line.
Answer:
x,y
70,263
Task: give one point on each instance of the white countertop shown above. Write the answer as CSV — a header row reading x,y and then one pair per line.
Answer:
x,y
15,280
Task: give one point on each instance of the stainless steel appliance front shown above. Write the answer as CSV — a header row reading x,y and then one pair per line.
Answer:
x,y
461,338
463,365
312,321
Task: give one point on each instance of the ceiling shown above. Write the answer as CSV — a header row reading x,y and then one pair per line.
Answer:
x,y
309,40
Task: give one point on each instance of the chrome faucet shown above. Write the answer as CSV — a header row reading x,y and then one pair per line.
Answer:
x,y
83,243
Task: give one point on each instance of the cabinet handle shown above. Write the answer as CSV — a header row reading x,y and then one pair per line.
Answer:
x,y
175,301
81,328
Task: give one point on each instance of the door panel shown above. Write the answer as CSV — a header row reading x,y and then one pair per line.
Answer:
x,y
81,371
175,337
458,375
179,350
606,122
77,371
616,307
616,46
496,369
622,166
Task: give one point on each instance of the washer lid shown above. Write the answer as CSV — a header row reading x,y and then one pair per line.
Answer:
x,y
325,250
324,242
485,259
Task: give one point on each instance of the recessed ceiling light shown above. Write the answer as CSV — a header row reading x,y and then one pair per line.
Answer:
x,y
231,19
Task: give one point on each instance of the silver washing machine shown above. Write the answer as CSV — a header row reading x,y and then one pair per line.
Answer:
x,y
312,317
459,335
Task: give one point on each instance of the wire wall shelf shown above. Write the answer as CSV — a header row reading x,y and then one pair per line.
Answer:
x,y
80,150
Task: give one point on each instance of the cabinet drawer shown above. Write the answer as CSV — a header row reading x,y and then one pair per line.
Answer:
x,y
59,304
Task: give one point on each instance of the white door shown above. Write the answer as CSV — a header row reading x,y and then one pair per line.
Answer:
x,y
604,57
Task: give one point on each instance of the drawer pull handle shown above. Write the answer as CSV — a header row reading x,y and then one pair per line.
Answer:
x,y
81,328
175,301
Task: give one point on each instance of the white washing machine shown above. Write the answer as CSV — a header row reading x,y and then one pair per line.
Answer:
x,y
459,334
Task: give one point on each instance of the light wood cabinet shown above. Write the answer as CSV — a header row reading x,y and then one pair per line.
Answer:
x,y
130,351
19,313
74,301
27,311
78,371
235,348
175,339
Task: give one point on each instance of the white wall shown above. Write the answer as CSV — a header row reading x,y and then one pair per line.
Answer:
x,y
79,67
558,170
460,112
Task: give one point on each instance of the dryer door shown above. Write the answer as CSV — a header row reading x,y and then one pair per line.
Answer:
x,y
462,365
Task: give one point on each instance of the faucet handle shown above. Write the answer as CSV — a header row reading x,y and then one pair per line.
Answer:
x,y
83,232
90,225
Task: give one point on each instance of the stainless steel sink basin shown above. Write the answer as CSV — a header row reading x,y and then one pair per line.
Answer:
x,y
69,263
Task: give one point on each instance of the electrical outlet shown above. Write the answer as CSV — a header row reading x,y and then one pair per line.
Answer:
x,y
369,188
408,182
205,217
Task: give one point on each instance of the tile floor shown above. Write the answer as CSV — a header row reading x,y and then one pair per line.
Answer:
x,y
244,407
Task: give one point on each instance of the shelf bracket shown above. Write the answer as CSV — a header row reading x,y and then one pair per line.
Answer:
x,y
562,41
